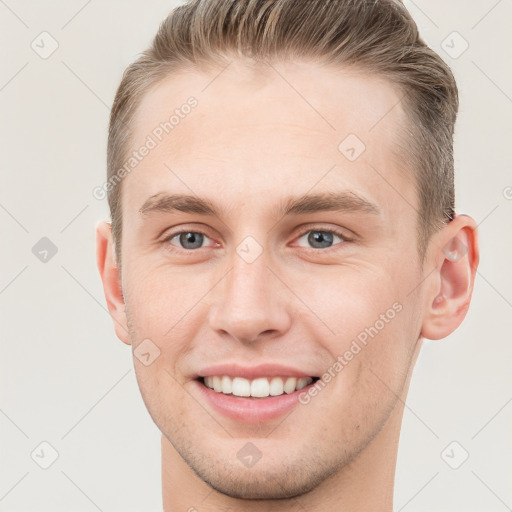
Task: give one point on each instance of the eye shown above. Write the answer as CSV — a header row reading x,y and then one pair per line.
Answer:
x,y
188,240
321,239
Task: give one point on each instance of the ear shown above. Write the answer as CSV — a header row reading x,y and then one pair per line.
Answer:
x,y
111,278
454,254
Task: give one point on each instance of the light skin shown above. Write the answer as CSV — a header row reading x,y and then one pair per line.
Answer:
x,y
252,143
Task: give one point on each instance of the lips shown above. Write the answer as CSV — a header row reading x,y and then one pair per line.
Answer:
x,y
252,394
253,372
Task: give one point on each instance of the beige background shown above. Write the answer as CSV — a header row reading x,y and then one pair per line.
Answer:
x,y
67,380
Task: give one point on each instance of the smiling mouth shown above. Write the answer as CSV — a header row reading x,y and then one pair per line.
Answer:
x,y
261,387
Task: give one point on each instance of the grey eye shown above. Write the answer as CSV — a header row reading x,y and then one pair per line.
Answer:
x,y
190,240
318,239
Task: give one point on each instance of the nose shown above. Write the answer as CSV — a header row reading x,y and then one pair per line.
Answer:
x,y
250,303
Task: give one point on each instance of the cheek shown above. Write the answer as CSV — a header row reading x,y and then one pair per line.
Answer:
x,y
371,331
350,302
161,299
157,312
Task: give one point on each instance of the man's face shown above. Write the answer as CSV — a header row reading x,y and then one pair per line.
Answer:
x,y
253,293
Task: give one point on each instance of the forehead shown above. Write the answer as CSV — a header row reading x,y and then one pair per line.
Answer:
x,y
263,130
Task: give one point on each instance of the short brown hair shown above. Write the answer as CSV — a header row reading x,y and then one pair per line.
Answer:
x,y
378,36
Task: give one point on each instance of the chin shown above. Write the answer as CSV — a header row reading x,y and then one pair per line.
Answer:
x,y
270,486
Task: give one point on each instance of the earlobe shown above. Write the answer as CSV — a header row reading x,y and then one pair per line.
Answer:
x,y
455,257
111,279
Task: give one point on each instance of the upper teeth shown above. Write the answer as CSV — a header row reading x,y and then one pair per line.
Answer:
x,y
260,387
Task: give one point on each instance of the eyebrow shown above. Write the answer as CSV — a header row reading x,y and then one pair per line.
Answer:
x,y
343,201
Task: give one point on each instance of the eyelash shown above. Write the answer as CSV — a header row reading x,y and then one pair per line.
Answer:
x,y
336,232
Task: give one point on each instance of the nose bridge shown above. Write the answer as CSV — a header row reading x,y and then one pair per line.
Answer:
x,y
248,303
